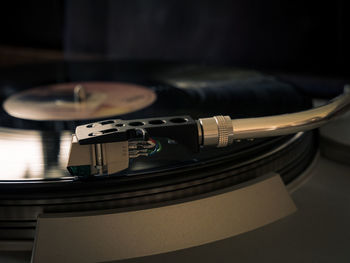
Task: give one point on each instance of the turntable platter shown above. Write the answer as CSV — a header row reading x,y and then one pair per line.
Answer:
x,y
41,114
38,118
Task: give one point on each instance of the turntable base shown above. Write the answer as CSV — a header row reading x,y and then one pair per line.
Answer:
x,y
318,231
157,230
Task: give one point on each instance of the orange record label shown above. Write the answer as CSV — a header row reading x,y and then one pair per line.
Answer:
x,y
79,101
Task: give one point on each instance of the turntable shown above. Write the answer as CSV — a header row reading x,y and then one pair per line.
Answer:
x,y
167,158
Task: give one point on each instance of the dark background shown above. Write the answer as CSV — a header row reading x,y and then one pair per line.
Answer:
x,y
293,36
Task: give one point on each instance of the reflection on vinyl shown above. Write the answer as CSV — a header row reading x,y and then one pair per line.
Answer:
x,y
23,154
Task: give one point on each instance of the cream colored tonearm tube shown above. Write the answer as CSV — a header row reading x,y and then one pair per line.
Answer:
x,y
221,131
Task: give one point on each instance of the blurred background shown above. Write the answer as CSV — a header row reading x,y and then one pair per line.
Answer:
x,y
290,36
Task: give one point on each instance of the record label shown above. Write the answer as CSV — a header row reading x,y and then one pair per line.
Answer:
x,y
79,101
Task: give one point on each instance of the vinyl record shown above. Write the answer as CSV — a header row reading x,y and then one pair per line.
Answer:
x,y
39,113
34,150
37,144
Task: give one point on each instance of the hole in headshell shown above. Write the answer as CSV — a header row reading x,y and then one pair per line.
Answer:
x,y
119,124
95,133
91,125
106,122
178,120
136,123
155,122
109,130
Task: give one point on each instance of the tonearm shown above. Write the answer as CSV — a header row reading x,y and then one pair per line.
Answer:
x,y
105,147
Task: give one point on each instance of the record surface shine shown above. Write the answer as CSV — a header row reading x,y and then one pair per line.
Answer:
x,y
37,148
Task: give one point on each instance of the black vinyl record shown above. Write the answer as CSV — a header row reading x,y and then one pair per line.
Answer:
x,y
41,146
34,153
